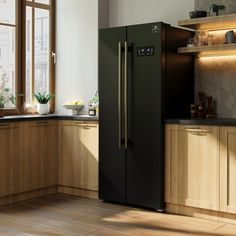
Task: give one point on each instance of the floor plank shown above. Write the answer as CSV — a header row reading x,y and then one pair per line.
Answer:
x,y
59,215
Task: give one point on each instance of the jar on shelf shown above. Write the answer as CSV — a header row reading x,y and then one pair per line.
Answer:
x,y
210,40
191,42
201,38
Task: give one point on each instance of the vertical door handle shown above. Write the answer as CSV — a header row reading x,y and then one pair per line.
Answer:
x,y
126,95
119,93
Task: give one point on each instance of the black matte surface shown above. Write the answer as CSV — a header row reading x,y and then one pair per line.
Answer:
x,y
136,176
219,121
112,160
144,156
179,78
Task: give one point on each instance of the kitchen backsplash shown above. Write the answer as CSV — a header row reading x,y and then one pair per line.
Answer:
x,y
216,76
205,5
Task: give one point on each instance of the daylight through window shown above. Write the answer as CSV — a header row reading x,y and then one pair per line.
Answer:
x,y
26,49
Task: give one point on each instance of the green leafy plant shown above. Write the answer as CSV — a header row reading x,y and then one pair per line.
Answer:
x,y
6,96
44,98
2,101
95,100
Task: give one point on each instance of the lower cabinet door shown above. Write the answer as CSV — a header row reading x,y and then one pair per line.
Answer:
x,y
11,158
228,169
40,145
78,154
192,166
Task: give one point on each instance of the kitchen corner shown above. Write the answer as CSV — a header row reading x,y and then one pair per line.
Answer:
x,y
135,131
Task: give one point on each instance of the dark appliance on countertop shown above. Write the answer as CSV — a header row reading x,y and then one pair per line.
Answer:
x,y
142,81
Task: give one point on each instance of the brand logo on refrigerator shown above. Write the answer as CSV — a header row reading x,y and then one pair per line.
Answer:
x,y
155,28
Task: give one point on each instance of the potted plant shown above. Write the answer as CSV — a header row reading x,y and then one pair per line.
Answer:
x,y
2,103
7,99
43,106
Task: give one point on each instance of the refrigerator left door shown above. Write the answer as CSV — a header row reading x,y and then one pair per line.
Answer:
x,y
112,159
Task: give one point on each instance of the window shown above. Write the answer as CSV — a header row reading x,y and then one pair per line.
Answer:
x,y
26,49
8,60
38,50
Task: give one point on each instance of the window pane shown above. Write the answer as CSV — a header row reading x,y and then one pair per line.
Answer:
x,y
28,53
7,65
37,53
7,11
41,51
43,1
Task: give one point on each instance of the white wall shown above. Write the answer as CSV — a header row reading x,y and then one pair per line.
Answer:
x,y
128,12
77,50
77,37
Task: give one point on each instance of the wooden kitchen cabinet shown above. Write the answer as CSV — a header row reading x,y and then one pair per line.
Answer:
x,y
40,150
192,166
228,169
11,158
78,154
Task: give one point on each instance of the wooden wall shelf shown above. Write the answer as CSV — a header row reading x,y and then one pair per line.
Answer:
x,y
214,50
210,23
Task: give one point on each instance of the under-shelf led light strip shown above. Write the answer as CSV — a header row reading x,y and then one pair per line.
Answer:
x,y
217,56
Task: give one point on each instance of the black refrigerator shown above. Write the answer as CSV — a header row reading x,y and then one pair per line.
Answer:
x,y
142,81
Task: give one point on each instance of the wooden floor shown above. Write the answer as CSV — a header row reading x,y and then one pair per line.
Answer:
x,y
66,215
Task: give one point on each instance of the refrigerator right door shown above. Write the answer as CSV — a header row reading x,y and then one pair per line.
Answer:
x,y
145,161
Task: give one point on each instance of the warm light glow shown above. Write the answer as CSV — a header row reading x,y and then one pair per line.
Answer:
x,y
217,57
220,31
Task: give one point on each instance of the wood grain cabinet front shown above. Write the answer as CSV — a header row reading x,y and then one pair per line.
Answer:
x,y
78,154
192,166
40,154
228,169
11,159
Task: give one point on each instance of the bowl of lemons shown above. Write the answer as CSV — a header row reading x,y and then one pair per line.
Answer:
x,y
74,106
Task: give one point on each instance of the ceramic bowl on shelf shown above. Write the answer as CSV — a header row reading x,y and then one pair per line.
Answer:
x,y
73,109
197,14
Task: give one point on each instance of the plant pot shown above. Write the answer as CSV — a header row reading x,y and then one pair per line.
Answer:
x,y
1,112
43,109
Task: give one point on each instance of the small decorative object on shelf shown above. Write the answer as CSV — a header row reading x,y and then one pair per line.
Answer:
x,y
201,38
191,42
210,40
202,105
210,108
230,37
193,110
74,107
197,14
43,106
94,105
205,108
92,111
217,10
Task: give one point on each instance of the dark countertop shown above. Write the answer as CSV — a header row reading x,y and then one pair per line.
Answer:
x,y
77,117
50,116
218,121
